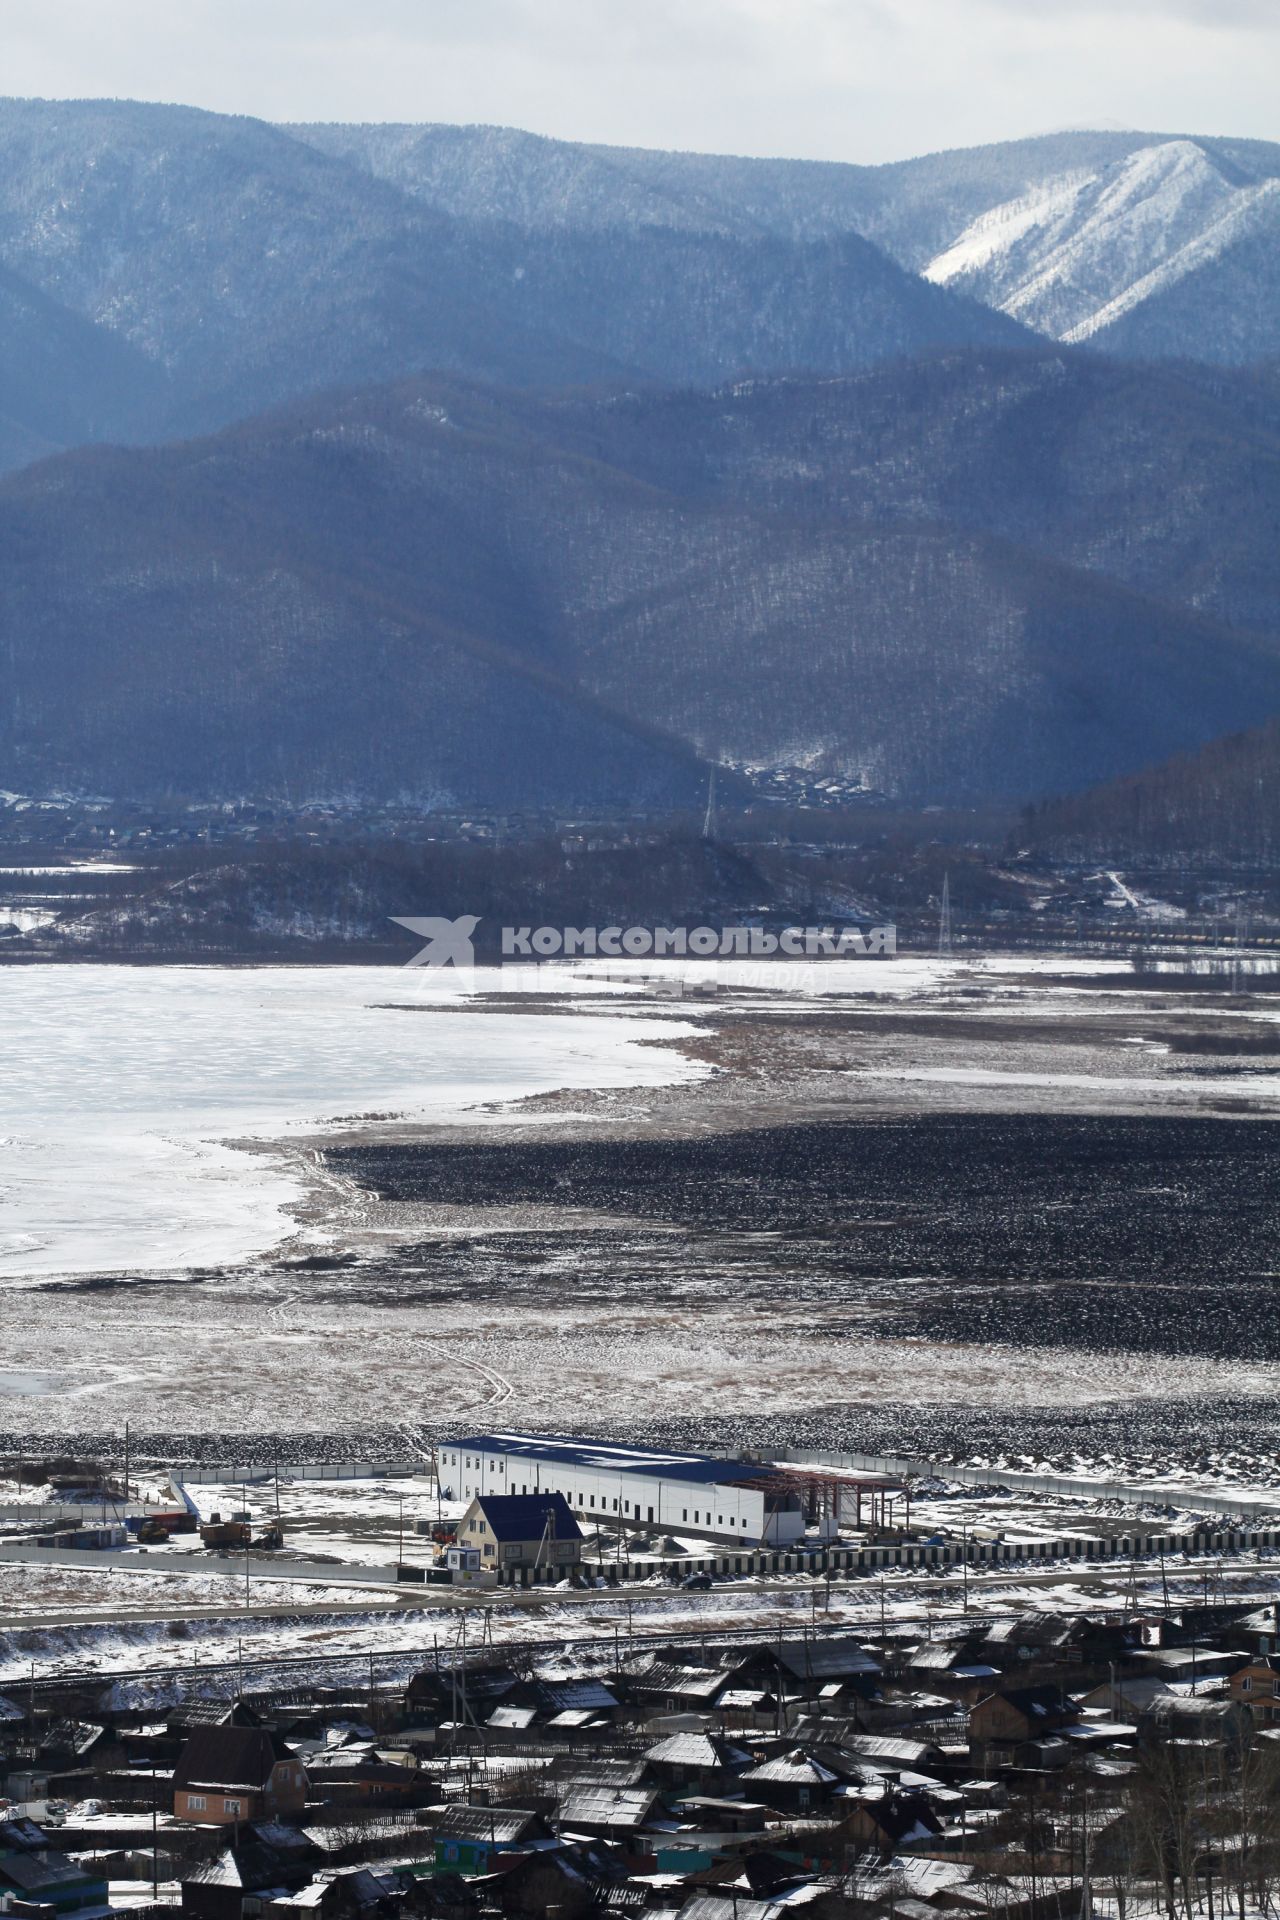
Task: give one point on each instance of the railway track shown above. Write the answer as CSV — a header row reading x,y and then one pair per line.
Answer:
x,y
627,1638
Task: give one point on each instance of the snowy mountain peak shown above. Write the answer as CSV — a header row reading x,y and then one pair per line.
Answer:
x,y
1082,250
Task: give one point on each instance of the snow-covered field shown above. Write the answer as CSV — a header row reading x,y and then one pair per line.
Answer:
x,y
364,1522
73,1593
121,1086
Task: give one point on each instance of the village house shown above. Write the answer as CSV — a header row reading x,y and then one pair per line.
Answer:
x,y
892,1755
463,1694
266,1857
808,1667
561,1702
1128,1695
1257,1686
521,1530
182,1719
34,1875
606,1812
722,1816
229,1774
469,1839
1193,1662
791,1783
1018,1715
894,1820
668,1686
357,1775
704,1762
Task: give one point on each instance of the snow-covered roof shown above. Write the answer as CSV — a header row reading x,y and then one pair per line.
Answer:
x,y
796,1769
606,1806
696,1750
604,1456
517,1717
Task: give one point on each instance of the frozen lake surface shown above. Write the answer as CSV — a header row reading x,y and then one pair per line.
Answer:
x,y
121,1085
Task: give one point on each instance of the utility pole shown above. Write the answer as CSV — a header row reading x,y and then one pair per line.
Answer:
x,y
944,920
1239,943
709,817
126,1463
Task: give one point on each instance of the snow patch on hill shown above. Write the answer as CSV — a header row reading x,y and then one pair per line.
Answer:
x,y
1081,250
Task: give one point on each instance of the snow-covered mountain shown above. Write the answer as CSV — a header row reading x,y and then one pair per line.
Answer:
x,y
223,266
164,271
1144,243
1095,254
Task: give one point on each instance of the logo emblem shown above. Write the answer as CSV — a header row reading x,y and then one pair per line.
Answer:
x,y
448,941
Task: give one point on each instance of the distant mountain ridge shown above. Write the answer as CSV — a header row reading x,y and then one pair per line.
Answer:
x,y
203,267
985,576
244,266
1079,235
562,471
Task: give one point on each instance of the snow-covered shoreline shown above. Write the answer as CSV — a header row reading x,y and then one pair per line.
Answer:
x,y
124,1088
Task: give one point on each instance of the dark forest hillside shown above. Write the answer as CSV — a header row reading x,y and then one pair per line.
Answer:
x,y
980,576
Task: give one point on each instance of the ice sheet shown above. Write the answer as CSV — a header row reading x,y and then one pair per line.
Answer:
x,y
121,1085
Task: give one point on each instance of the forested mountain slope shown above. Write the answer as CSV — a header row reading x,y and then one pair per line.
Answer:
x,y
242,266
984,576
1147,244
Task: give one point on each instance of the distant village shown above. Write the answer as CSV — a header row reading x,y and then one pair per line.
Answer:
x,y
1017,1758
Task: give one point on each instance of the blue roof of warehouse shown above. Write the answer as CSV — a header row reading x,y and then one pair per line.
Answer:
x,y
602,1456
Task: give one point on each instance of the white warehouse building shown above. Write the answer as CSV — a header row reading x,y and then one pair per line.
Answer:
x,y
632,1488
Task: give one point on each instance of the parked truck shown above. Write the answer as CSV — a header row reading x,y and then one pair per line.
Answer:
x,y
238,1532
217,1532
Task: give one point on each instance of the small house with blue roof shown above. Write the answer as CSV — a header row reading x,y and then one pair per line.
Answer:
x,y
521,1530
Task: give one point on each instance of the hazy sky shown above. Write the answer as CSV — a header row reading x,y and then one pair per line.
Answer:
x,y
832,79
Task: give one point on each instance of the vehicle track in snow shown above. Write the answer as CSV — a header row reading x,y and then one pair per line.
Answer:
x,y
502,1388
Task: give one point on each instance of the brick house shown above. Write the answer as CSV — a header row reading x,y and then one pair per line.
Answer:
x,y
229,1774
